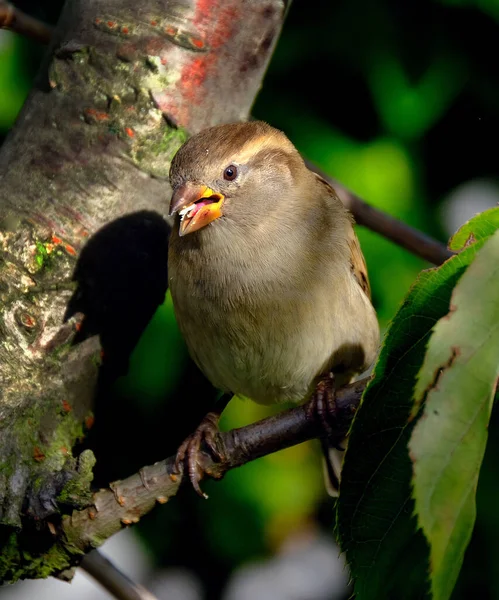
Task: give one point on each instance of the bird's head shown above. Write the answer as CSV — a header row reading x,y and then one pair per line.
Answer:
x,y
239,173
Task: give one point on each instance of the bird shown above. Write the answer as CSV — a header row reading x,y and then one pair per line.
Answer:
x,y
268,281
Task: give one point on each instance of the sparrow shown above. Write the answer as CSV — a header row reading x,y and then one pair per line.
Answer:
x,y
268,281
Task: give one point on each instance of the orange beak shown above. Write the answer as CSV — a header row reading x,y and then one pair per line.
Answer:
x,y
197,205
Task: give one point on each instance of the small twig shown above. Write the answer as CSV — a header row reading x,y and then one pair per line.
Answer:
x,y
393,229
14,19
126,501
112,579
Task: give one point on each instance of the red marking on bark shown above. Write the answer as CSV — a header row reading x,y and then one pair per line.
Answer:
x,y
70,249
38,455
56,240
129,131
63,449
125,30
89,422
98,21
163,61
77,326
206,15
197,42
97,115
154,23
111,24
66,406
192,78
28,321
126,521
205,11
171,30
92,514
216,21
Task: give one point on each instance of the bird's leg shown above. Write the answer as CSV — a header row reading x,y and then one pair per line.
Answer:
x,y
322,408
190,449
205,435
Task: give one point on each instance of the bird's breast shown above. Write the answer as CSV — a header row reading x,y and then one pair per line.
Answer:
x,y
256,331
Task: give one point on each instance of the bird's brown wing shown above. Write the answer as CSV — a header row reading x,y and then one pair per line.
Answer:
x,y
358,264
357,261
333,457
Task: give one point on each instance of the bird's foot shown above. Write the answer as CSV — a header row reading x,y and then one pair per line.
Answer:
x,y
190,451
322,408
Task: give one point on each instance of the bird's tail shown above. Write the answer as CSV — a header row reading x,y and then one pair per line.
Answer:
x,y
332,462
334,455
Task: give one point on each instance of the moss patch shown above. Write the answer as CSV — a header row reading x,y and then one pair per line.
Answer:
x,y
77,492
153,154
20,560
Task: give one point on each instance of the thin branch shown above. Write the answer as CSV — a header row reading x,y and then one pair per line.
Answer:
x,y
126,501
112,579
14,19
389,227
130,499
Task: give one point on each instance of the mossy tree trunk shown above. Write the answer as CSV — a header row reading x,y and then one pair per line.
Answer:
x,y
124,83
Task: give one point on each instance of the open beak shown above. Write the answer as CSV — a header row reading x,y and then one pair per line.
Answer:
x,y
197,205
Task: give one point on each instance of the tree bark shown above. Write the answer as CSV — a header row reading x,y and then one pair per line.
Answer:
x,y
123,85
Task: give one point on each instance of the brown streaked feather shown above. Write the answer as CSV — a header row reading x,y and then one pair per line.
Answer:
x,y
358,264
357,261
329,188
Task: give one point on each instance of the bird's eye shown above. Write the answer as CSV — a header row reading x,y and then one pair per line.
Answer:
x,y
230,173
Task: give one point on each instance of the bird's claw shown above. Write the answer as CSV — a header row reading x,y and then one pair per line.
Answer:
x,y
189,451
322,408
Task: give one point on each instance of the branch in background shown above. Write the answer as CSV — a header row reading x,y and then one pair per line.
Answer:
x,y
126,501
112,579
397,231
14,19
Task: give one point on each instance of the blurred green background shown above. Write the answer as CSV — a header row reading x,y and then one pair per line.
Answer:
x,y
400,102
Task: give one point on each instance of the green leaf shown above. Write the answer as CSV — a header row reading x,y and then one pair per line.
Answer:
x,y
387,553
457,383
479,227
